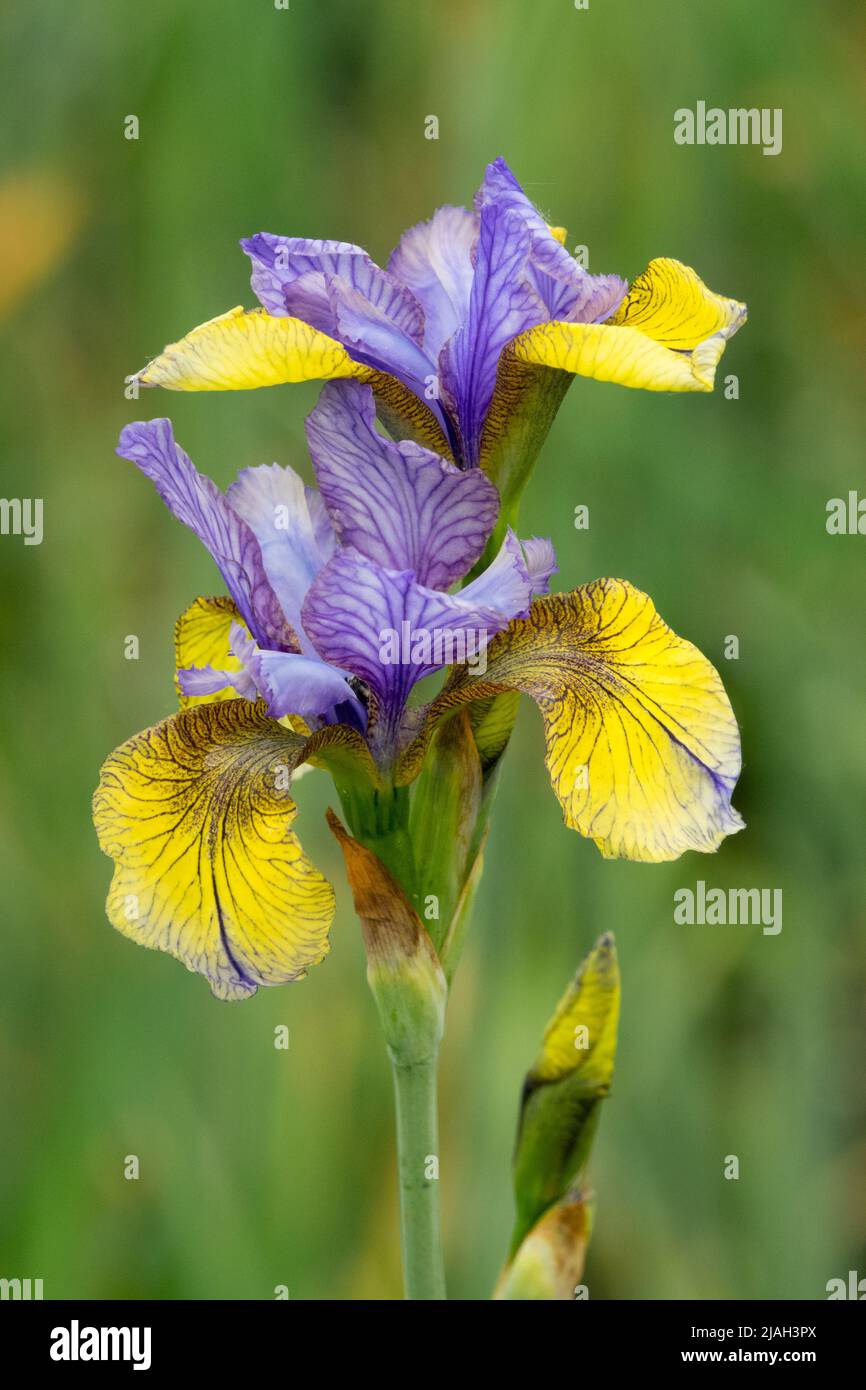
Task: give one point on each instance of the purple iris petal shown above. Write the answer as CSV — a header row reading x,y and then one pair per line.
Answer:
x,y
506,583
338,289
457,289
280,262
291,526
375,339
304,685
435,260
391,631
207,680
400,505
289,682
540,557
199,504
568,290
502,304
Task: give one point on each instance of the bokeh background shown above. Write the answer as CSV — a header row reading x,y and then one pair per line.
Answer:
x,y
261,1167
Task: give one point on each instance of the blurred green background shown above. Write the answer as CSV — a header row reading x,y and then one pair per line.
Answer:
x,y
261,1167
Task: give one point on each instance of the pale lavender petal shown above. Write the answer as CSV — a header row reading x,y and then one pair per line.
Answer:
x,y
540,557
242,646
304,685
339,290
506,584
502,304
198,503
208,680
289,682
286,519
400,505
391,631
435,260
568,290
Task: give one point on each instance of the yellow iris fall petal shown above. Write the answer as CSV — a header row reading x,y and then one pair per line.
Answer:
x,y
248,348
243,349
195,814
642,745
668,334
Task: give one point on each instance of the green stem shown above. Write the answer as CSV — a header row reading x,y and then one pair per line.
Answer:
x,y
417,1154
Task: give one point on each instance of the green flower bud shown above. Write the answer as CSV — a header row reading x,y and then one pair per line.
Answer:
x,y
563,1090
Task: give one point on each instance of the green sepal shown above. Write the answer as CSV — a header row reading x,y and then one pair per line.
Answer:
x,y
446,801
403,969
524,406
549,1264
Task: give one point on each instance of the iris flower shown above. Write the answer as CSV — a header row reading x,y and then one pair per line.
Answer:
x,y
295,665
442,375
470,336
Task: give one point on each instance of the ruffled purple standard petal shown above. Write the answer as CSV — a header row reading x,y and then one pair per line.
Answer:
x,y
568,290
292,529
502,304
391,631
400,505
199,504
372,337
339,290
435,259
280,262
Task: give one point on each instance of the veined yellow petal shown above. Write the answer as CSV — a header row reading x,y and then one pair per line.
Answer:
x,y
625,356
643,749
670,303
201,638
195,814
668,334
244,349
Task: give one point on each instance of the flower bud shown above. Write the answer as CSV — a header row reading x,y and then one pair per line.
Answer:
x,y
563,1090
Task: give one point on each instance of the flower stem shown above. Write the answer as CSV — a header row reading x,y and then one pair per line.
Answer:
x,y
418,1165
